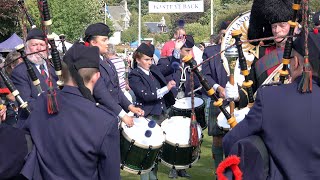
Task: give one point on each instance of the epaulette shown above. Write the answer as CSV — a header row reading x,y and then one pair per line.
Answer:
x,y
271,84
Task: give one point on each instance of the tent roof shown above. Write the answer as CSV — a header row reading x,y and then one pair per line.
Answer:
x,y
10,44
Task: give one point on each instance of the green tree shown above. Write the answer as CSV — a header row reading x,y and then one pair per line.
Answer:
x,y
199,32
9,19
314,5
71,17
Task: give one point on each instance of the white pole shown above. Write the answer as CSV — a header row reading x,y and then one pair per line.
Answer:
x,y
105,13
211,22
139,24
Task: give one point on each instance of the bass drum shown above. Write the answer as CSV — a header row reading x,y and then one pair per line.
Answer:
x,y
140,146
177,152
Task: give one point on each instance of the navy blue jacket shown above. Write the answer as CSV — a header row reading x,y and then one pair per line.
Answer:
x,y
287,122
213,70
146,93
164,65
23,82
215,73
107,90
12,152
82,141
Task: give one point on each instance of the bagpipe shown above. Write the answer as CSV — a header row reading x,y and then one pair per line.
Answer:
x,y
238,66
55,56
24,9
218,102
12,89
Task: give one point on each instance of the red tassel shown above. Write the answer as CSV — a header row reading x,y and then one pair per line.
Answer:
x,y
4,91
305,85
86,44
316,31
52,104
194,131
231,162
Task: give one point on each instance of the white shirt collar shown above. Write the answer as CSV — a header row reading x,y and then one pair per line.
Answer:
x,y
45,66
145,71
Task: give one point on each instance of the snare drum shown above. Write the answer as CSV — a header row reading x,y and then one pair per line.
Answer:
x,y
239,115
182,107
139,152
177,152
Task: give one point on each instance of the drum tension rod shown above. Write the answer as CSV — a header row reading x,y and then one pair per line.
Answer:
x,y
129,150
145,158
175,155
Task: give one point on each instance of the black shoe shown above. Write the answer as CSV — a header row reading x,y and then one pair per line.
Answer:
x,y
173,173
183,173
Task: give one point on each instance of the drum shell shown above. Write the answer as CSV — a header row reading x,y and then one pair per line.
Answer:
x,y
199,111
132,157
176,151
179,157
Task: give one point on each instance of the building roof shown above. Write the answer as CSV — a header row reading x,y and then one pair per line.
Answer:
x,y
154,27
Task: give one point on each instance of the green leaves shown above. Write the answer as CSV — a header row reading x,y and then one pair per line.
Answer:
x,y
71,17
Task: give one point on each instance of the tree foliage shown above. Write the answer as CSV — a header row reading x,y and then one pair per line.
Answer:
x,y
199,32
9,19
71,17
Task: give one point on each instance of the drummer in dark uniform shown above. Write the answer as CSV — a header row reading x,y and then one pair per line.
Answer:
x,y
82,140
153,93
171,67
286,120
108,86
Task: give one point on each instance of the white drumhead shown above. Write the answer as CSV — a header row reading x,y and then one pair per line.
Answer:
x,y
137,132
239,115
177,130
185,103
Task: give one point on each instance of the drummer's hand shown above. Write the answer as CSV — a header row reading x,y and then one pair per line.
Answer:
x,y
171,84
178,43
3,112
232,92
221,91
128,120
136,110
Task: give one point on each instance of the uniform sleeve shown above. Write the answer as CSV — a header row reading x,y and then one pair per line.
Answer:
x,y
22,83
124,102
252,124
109,162
163,66
206,69
103,96
140,90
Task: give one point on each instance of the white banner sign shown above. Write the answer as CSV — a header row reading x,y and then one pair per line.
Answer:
x,y
175,7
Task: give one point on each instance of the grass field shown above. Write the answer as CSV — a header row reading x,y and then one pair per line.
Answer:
x,y
202,170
